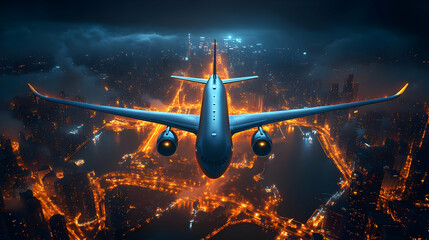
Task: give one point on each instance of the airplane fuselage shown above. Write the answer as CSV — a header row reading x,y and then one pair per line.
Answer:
x,y
214,139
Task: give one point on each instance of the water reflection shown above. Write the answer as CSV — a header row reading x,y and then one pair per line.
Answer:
x,y
300,170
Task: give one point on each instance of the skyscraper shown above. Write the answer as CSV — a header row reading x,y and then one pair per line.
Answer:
x,y
188,45
348,89
355,213
76,196
333,96
17,226
34,216
3,234
117,208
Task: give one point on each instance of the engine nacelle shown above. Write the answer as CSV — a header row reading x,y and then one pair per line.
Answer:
x,y
166,144
261,143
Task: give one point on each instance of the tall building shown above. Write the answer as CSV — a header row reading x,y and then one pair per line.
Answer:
x,y
255,102
333,95
201,43
355,91
1,203
9,168
3,230
59,227
34,216
355,213
227,42
49,183
75,194
33,207
17,226
333,224
188,45
350,89
390,180
117,209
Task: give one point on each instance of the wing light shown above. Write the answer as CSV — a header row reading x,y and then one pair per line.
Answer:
x,y
402,90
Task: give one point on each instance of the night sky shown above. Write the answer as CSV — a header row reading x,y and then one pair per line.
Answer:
x,y
384,43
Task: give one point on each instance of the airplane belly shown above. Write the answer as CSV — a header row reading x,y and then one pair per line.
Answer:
x,y
214,143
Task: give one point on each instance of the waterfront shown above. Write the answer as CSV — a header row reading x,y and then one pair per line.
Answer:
x,y
303,174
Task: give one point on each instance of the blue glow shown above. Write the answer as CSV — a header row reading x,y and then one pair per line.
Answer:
x,y
76,130
304,53
186,58
229,37
96,137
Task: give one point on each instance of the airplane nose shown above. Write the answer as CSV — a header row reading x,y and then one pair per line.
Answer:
x,y
214,169
214,157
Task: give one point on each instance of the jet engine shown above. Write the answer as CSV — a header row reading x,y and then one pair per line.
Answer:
x,y
167,143
261,143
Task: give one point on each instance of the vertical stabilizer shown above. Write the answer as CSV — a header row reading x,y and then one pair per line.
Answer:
x,y
214,59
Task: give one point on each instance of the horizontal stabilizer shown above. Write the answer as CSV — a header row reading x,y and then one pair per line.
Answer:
x,y
231,80
198,80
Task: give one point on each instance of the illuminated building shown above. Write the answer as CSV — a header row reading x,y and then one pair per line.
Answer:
x,y
17,226
401,156
1,203
49,183
350,89
34,213
390,180
45,169
255,102
59,227
76,196
355,208
333,95
188,45
413,220
9,168
333,224
227,42
3,230
202,43
117,208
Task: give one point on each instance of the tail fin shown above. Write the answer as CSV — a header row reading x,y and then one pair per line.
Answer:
x,y
214,59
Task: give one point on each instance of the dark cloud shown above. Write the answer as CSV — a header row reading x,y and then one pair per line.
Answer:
x,y
408,17
63,42
48,38
375,40
379,59
9,125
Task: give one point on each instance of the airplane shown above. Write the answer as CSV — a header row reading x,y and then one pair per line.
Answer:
x,y
214,127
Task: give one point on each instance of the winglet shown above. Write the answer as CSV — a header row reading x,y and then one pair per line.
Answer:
x,y
32,88
35,91
402,90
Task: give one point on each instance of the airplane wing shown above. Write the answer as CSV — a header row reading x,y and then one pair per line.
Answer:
x,y
243,122
185,122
